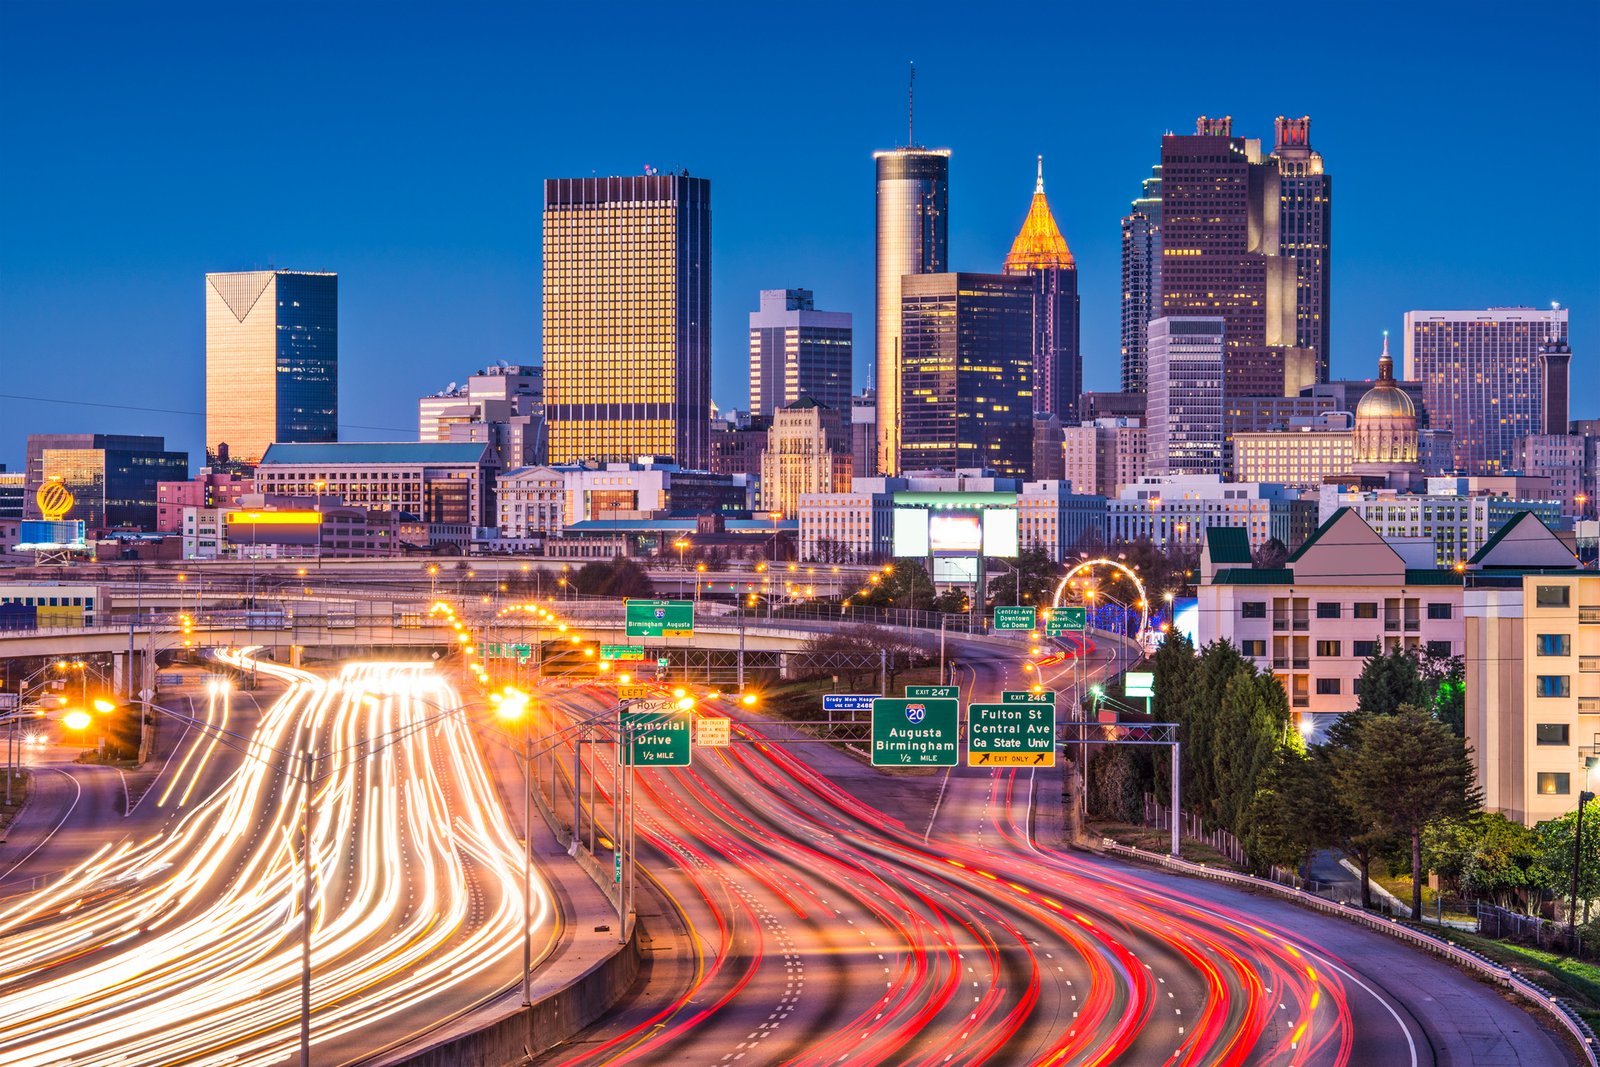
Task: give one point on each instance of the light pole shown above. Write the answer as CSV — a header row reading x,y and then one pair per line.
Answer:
x,y
1584,796
774,516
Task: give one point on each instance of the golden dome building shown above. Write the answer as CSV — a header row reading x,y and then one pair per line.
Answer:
x,y
1041,252
1384,438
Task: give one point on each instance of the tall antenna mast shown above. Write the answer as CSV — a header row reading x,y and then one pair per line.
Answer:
x,y
911,107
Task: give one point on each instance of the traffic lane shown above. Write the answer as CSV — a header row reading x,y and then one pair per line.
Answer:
x,y
1393,989
76,813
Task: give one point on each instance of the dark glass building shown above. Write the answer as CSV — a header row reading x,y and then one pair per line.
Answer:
x,y
967,372
797,351
1141,281
272,361
112,477
1040,253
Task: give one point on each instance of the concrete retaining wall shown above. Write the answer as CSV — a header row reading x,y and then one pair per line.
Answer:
x,y
524,1033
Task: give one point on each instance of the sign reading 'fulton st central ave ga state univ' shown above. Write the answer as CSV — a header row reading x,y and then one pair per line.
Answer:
x,y
915,731
1011,735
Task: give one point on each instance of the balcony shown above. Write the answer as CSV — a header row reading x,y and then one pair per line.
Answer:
x,y
1589,704
1301,700
1302,664
1302,623
1279,663
1589,614
1391,622
1589,664
1280,624
1413,624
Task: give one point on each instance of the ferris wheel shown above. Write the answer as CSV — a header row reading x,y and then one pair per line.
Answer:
x,y
1100,583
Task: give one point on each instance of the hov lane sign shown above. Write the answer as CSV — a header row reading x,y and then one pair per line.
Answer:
x,y
1011,735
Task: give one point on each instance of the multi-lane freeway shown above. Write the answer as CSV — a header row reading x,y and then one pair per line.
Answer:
x,y
183,946
812,911
798,907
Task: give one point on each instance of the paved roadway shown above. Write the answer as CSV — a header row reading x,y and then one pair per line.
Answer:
x,y
184,946
811,910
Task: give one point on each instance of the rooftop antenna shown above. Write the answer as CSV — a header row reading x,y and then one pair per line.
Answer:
x,y
911,107
1039,186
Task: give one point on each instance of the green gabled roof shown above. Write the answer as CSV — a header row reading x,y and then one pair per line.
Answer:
x,y
1433,577
1228,544
1505,530
1253,576
1317,534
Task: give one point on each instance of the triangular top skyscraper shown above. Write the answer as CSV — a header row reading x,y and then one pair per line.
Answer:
x,y
1039,244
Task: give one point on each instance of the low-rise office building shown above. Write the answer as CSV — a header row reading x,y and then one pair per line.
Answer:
x,y
1178,509
446,483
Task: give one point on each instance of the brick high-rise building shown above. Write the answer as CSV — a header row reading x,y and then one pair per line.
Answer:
x,y
1221,247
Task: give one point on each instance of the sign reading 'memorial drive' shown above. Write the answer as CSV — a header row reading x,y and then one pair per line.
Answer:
x,y
656,738
1011,735
660,618
1014,618
915,732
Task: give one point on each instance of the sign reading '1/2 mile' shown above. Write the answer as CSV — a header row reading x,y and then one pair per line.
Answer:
x,y
915,731
656,738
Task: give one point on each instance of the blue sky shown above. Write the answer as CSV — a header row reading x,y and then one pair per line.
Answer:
x,y
404,146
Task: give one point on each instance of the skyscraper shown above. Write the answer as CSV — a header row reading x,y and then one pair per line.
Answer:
x,y
1040,253
1220,244
627,318
1304,228
112,477
272,360
795,351
1483,376
1184,401
1141,280
913,238
967,373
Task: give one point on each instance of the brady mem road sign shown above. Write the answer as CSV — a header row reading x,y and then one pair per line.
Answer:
x,y
621,652
660,618
1011,735
1064,620
711,732
915,732
1014,618
934,692
848,701
656,738
1028,696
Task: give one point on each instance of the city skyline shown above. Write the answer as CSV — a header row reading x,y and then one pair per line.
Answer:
x,y
439,258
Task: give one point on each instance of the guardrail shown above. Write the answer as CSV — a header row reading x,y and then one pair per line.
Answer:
x,y
1466,958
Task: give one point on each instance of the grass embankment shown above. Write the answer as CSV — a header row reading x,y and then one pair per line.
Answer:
x,y
1576,980
1152,840
19,793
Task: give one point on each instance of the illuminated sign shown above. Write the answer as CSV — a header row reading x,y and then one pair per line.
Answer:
x,y
275,518
54,500
35,535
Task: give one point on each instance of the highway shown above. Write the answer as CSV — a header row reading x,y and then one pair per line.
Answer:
x,y
184,946
812,910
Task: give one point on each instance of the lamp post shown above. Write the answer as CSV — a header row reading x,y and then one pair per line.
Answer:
x,y
1584,796
680,544
774,516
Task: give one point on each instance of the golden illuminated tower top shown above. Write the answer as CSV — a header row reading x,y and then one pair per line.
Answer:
x,y
1039,244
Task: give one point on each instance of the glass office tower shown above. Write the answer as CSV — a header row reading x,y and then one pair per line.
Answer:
x,y
272,361
967,376
627,318
913,238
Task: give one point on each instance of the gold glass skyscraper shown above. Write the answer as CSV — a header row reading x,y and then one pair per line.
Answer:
x,y
913,238
272,360
627,318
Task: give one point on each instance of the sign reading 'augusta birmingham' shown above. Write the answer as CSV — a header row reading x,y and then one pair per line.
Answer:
x,y
915,731
660,618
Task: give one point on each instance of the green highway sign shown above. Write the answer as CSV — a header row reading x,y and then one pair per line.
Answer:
x,y
1139,684
1014,618
1011,735
915,732
934,692
656,738
663,662
497,650
1063,620
618,653
660,618
1027,696
619,864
